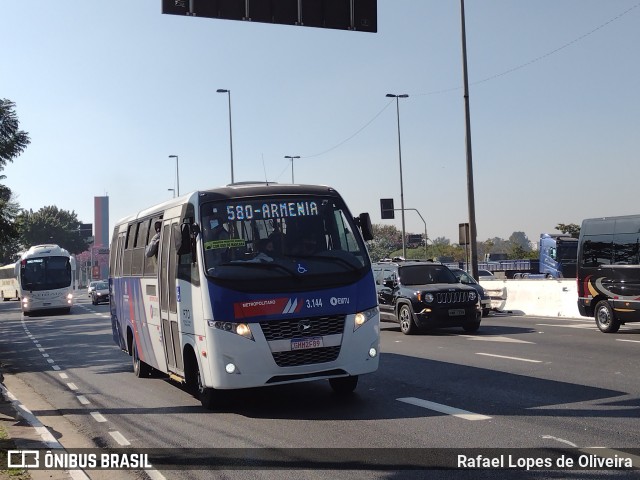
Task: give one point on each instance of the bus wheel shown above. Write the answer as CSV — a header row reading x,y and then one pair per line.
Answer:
x,y
206,395
405,316
140,369
605,318
344,385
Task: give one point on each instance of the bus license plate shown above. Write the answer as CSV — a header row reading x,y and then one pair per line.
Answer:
x,y
306,343
456,312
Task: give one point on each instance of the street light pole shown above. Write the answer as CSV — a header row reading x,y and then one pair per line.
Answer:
x,y
404,244
177,175
292,158
228,92
470,192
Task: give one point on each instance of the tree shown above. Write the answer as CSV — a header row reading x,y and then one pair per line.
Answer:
x,y
386,240
569,228
9,209
12,141
51,225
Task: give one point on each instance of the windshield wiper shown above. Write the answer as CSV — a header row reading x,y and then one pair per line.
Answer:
x,y
260,265
339,259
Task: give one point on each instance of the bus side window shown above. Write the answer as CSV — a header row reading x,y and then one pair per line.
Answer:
x,y
128,251
138,248
150,263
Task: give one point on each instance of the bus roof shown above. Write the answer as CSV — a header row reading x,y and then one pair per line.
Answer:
x,y
234,190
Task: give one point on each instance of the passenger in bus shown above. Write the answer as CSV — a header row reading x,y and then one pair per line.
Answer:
x,y
266,251
215,232
152,248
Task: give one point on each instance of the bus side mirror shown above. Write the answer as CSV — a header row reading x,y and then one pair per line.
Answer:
x,y
364,222
187,241
184,243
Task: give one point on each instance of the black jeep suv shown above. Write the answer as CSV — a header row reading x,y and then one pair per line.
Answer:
x,y
423,295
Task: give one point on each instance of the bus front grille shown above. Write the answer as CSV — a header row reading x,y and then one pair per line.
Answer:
x,y
306,357
303,327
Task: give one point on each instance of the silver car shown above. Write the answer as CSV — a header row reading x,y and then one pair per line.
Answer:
x,y
100,293
465,278
91,287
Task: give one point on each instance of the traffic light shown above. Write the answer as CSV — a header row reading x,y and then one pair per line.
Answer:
x,y
386,208
85,230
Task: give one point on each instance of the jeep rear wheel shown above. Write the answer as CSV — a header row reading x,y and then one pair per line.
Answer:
x,y
405,317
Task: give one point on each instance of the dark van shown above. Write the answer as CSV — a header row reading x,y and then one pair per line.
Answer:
x,y
609,271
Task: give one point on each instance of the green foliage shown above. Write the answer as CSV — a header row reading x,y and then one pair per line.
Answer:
x,y
51,225
12,140
569,228
12,143
9,210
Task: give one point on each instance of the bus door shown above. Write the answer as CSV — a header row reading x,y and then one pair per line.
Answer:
x,y
168,297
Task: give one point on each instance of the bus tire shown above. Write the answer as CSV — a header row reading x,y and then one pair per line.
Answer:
x,y
344,385
140,369
208,396
605,317
405,318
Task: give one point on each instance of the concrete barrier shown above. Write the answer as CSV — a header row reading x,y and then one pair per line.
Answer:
x,y
541,297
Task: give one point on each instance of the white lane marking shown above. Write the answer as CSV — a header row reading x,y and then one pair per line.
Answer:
x,y
72,386
42,349
45,355
155,475
588,326
510,358
438,407
494,339
83,400
118,437
561,440
624,340
38,345
98,417
55,367
50,360
63,375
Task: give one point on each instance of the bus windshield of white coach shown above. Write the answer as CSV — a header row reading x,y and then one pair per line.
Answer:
x,y
45,273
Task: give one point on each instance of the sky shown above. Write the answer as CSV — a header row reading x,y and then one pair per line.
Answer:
x,y
107,90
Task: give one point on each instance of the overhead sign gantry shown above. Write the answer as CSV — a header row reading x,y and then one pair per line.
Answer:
x,y
358,15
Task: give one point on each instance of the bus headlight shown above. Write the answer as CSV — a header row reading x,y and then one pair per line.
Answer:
x,y
70,296
363,317
241,329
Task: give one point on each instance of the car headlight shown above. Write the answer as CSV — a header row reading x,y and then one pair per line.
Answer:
x,y
425,297
363,317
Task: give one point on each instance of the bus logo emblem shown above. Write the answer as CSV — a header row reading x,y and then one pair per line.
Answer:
x,y
304,326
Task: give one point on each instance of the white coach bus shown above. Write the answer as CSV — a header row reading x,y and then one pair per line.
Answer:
x,y
251,285
9,287
44,275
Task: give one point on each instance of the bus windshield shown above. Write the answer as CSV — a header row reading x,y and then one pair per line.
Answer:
x,y
280,237
45,273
